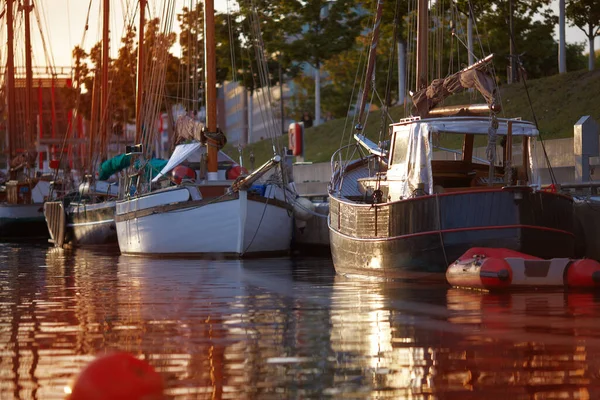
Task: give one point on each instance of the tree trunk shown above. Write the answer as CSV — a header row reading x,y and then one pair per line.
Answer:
x,y
470,38
562,54
592,56
401,72
317,120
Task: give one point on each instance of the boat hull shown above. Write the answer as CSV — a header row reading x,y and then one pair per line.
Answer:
x,y
418,238
22,221
93,224
239,225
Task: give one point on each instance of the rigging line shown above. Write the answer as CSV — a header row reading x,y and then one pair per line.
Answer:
x,y
491,65
268,116
69,23
388,89
46,25
520,66
357,83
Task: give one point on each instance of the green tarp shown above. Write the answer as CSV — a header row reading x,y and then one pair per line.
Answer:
x,y
122,161
114,165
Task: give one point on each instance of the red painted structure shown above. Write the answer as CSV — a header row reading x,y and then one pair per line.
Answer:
x,y
295,138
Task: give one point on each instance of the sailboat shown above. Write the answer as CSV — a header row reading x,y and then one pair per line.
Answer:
x,y
86,218
21,211
399,214
202,213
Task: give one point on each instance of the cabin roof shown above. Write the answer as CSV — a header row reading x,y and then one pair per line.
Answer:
x,y
472,125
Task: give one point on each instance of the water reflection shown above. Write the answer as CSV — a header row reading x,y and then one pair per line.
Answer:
x,y
272,329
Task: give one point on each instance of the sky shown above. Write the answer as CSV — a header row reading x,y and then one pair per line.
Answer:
x,y
65,22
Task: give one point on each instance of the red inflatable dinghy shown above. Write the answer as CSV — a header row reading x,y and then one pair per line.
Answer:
x,y
491,268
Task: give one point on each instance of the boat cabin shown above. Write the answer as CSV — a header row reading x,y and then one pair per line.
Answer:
x,y
413,168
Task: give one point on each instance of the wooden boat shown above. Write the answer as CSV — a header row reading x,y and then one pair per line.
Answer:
x,y
400,214
21,212
206,214
88,218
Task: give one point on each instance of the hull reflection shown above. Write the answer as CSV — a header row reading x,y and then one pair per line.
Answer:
x,y
284,328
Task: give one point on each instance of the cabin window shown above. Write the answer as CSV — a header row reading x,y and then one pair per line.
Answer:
x,y
400,148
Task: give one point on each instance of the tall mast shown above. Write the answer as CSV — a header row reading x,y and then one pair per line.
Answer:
x,y
104,89
211,85
10,81
29,131
422,35
371,63
140,74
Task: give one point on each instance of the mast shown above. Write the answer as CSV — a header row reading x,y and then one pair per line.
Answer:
x,y
422,35
371,63
29,132
10,81
211,86
140,74
104,88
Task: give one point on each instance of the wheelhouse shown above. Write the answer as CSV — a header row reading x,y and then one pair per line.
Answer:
x,y
415,169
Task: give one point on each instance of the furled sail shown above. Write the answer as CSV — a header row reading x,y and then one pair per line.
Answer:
x,y
475,76
187,129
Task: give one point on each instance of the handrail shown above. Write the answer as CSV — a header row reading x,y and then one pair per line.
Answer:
x,y
460,152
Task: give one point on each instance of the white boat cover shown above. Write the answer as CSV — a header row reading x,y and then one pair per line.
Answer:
x,y
191,152
180,154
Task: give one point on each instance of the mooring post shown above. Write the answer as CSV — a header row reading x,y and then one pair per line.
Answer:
x,y
585,145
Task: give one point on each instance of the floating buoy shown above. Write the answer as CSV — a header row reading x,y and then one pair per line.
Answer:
x,y
117,376
303,208
493,268
182,172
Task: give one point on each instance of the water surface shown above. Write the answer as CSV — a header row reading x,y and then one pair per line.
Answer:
x,y
286,329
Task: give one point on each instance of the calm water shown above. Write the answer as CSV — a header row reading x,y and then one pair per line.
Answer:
x,y
279,329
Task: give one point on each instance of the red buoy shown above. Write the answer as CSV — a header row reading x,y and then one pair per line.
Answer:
x,y
489,268
583,273
236,171
182,172
118,376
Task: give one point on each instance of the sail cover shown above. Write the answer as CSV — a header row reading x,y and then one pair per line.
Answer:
x,y
476,76
187,129
114,165
181,153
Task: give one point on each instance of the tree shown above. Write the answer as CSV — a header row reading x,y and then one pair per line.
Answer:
x,y
124,72
585,14
191,23
320,29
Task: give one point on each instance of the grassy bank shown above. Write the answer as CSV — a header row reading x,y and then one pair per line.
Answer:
x,y
558,102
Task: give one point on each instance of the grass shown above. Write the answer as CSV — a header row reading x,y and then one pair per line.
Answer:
x,y
558,102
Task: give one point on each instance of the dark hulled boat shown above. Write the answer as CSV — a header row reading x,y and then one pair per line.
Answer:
x,y
421,225
401,214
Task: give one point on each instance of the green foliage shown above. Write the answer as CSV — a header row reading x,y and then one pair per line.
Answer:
x,y
303,100
585,14
191,68
320,29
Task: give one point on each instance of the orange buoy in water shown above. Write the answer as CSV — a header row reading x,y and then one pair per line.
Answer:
x,y
182,172
489,268
118,376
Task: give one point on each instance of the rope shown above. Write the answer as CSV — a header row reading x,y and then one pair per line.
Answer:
x,y
490,150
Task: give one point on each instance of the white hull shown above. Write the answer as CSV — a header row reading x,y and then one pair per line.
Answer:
x,y
22,220
234,226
